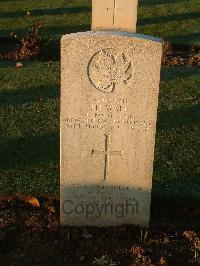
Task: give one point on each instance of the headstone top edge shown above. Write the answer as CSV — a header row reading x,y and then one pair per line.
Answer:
x,y
113,33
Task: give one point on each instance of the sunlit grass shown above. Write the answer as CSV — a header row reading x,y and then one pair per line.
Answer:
x,y
177,20
29,126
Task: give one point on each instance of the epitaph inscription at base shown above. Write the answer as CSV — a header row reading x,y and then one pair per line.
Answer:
x,y
109,97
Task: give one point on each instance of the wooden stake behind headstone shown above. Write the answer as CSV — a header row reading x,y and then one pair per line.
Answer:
x,y
114,15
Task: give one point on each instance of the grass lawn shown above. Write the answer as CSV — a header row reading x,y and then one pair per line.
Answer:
x,y
176,20
29,131
29,98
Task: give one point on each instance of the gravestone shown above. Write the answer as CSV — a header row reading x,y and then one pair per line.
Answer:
x,y
114,15
109,98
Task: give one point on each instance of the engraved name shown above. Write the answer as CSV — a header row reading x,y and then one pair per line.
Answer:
x,y
108,112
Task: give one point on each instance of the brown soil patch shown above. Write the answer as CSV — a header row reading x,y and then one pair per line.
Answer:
x,y
30,235
176,55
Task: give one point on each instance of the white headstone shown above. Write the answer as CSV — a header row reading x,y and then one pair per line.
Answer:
x,y
109,97
114,15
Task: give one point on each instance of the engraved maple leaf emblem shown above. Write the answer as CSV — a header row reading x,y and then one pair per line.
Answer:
x,y
109,69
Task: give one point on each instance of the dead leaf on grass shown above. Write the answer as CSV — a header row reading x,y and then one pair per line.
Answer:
x,y
19,64
33,201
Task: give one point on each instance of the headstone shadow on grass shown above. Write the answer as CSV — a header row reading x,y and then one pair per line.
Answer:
x,y
46,11
159,2
41,93
169,18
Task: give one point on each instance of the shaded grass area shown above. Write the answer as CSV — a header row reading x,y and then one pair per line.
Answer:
x,y
176,166
29,128
29,131
177,20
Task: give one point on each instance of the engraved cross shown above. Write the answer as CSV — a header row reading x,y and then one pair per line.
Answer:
x,y
114,9
107,152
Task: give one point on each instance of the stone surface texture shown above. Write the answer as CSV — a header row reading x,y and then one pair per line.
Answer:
x,y
114,15
109,98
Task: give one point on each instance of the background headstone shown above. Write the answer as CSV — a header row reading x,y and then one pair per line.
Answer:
x,y
109,97
114,15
